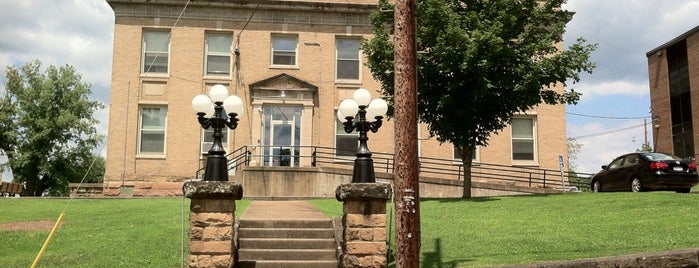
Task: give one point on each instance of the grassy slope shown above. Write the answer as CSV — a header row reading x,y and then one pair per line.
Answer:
x,y
455,233
98,232
526,229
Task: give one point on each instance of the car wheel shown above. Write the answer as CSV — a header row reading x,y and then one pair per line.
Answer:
x,y
684,191
596,186
636,185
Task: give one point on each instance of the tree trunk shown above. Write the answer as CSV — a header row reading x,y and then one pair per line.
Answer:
x,y
467,160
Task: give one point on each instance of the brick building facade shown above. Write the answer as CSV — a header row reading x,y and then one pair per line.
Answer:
x,y
673,71
291,62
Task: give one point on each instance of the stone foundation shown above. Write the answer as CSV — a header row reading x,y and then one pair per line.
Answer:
x,y
364,224
211,223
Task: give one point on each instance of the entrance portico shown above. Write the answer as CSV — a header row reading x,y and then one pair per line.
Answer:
x,y
282,120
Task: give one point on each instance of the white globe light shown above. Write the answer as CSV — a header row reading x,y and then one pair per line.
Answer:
x,y
218,93
348,107
201,103
340,117
362,97
233,104
379,106
210,112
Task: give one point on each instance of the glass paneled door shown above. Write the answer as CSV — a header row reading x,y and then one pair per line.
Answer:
x,y
282,127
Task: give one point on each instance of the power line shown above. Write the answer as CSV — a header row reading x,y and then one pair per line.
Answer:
x,y
609,117
167,38
237,44
607,132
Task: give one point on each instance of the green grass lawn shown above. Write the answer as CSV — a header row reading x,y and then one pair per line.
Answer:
x,y
492,231
480,232
97,232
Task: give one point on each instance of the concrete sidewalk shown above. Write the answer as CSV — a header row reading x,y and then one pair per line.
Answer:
x,y
282,210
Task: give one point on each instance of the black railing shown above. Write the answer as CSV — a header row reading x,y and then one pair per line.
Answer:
x,y
319,156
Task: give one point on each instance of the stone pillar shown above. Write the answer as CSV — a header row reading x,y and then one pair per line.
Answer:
x,y
211,222
363,224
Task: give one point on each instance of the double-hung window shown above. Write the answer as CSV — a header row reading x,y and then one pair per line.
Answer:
x,y
457,154
208,139
347,53
523,139
218,53
156,47
345,143
284,50
152,125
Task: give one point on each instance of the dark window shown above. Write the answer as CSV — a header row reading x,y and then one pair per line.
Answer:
x,y
347,58
345,143
680,100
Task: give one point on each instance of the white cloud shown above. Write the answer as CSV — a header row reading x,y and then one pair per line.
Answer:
x,y
625,31
673,22
77,33
591,90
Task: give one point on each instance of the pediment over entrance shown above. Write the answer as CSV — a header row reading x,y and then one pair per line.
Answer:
x,y
283,86
282,120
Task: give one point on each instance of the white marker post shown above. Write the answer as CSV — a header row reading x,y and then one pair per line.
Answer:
x,y
560,163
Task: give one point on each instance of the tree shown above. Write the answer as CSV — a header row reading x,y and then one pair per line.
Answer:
x,y
645,147
51,132
8,117
479,63
574,149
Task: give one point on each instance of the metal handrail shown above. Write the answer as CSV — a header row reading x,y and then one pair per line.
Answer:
x,y
321,156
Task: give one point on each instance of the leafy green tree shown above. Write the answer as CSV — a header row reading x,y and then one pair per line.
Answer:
x,y
51,132
8,117
645,147
480,62
574,149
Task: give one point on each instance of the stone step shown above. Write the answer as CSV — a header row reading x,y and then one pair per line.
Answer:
x,y
287,254
309,223
287,264
286,243
308,233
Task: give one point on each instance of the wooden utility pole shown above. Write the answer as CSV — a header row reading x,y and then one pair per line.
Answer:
x,y
407,191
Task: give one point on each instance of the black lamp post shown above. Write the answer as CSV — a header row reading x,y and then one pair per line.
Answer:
x,y
370,113
210,112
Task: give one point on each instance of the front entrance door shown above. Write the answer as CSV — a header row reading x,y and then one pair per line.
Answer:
x,y
282,127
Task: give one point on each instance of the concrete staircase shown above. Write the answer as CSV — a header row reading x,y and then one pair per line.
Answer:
x,y
285,242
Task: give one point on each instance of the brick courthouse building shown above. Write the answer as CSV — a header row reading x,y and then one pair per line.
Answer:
x,y
291,62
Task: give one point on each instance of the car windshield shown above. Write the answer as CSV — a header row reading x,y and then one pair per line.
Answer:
x,y
660,157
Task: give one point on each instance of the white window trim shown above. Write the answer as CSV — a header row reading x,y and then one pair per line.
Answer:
x,y
271,52
343,158
143,53
205,146
535,142
476,156
359,61
206,56
140,154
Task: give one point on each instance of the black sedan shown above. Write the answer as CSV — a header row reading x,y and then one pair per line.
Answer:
x,y
646,171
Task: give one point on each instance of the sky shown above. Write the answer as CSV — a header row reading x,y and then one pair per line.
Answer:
x,y
80,33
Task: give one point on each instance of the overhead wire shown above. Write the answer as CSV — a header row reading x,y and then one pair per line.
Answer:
x,y
162,45
237,65
246,23
607,132
609,117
